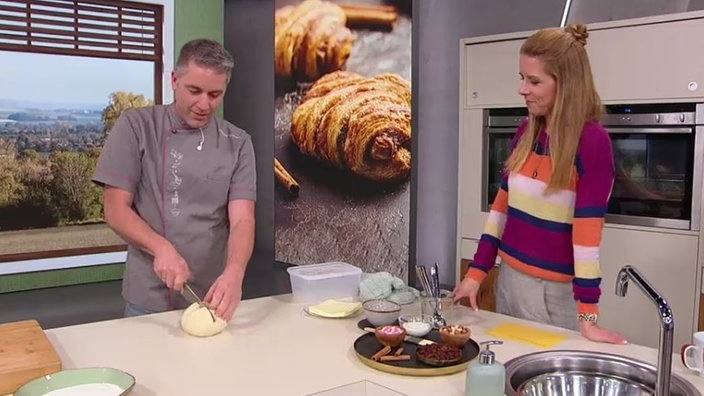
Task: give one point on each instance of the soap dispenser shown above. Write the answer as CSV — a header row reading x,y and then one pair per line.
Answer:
x,y
486,376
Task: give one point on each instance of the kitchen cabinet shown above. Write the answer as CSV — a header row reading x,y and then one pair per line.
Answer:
x,y
669,262
471,162
491,72
700,327
649,62
634,60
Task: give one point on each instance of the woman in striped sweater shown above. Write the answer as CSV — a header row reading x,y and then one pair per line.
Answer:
x,y
547,219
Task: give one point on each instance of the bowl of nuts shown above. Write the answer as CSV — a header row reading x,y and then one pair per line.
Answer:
x,y
439,354
455,335
390,335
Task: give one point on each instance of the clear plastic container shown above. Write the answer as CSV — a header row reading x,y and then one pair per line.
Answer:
x,y
319,282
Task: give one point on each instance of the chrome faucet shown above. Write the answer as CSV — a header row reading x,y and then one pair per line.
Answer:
x,y
667,324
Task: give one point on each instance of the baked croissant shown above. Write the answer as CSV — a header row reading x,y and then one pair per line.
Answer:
x,y
311,39
356,123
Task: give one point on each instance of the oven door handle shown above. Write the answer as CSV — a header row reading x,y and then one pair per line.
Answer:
x,y
640,131
619,130
501,130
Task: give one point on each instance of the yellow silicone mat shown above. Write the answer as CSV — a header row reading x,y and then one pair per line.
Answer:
x,y
527,334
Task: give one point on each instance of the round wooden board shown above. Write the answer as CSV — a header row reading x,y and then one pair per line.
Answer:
x,y
366,346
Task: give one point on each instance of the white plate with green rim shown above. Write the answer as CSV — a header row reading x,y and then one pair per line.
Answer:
x,y
93,381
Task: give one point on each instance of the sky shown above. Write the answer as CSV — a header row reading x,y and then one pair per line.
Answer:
x,y
64,79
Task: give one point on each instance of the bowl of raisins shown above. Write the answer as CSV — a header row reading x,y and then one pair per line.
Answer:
x,y
439,354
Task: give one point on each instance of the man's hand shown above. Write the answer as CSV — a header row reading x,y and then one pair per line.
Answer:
x,y
121,216
171,267
225,295
226,292
593,332
468,288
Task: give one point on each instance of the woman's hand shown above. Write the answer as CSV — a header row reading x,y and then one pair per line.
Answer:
x,y
593,332
468,288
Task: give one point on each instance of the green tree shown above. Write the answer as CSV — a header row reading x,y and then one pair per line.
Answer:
x,y
30,156
10,185
75,197
119,102
24,191
35,208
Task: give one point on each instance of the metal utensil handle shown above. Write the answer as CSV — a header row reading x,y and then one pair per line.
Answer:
x,y
425,281
437,280
423,277
419,276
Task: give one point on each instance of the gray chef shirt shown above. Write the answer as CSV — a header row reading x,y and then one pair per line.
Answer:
x,y
180,191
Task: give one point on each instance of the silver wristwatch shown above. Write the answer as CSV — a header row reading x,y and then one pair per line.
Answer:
x,y
587,317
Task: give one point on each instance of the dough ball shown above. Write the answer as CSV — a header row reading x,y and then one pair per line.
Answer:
x,y
196,321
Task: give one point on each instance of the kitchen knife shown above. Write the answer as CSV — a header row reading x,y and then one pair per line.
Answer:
x,y
187,292
408,338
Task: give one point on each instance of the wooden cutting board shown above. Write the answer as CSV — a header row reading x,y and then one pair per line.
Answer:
x,y
25,354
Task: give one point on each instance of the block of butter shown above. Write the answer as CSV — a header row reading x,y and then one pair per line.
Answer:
x,y
334,309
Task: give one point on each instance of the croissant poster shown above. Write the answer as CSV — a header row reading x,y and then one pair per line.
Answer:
x,y
343,133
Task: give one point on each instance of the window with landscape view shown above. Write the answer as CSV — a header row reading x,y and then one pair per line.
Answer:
x,y
67,70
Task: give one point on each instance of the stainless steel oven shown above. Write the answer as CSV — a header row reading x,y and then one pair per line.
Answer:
x,y
659,157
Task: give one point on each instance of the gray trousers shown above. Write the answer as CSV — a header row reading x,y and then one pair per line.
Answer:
x,y
135,310
527,297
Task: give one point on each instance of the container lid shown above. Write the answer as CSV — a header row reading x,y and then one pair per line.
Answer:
x,y
324,270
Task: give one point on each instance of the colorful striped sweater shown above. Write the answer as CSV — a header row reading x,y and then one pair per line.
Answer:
x,y
557,236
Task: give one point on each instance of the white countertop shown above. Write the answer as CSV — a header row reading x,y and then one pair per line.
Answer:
x,y
272,347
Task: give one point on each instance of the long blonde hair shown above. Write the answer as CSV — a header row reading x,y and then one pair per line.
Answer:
x,y
564,57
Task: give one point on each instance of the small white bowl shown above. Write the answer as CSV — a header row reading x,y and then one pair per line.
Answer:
x,y
416,325
381,312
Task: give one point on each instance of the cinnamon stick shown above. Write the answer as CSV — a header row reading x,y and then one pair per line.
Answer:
x,y
370,16
382,353
398,351
394,358
285,178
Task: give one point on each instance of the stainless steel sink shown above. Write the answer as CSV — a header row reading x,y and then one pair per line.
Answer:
x,y
584,373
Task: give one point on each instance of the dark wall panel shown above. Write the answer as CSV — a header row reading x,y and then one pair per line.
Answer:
x,y
249,104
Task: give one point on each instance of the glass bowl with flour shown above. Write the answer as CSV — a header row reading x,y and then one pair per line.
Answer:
x,y
416,325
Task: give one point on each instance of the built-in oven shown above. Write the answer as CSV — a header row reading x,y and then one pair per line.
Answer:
x,y
658,154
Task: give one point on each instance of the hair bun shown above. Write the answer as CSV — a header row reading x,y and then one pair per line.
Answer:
x,y
579,32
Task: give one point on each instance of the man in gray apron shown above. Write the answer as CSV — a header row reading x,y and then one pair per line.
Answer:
x,y
179,187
